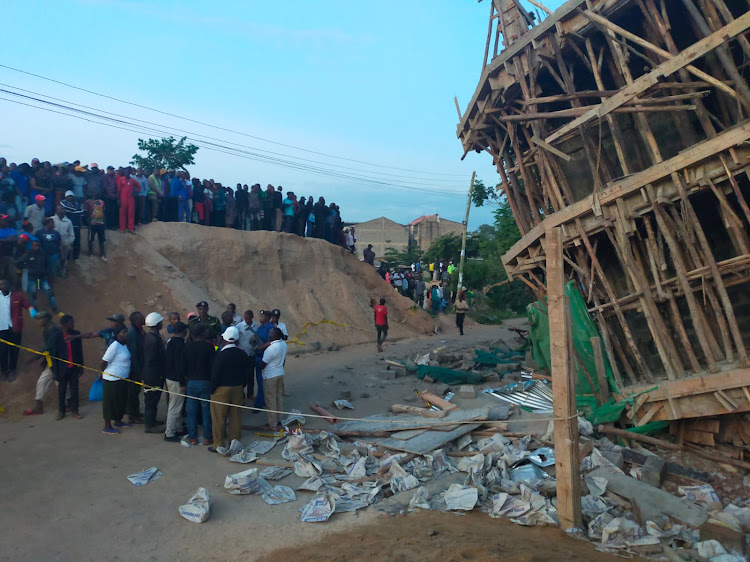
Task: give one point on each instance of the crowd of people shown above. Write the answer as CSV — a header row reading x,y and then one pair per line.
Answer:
x,y
127,197
207,365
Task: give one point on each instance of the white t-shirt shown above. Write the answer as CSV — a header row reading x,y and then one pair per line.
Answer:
x,y
5,320
274,357
281,326
117,357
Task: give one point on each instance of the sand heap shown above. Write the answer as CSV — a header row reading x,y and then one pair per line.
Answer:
x,y
172,266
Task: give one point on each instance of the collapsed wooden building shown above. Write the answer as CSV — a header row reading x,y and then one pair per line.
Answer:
x,y
625,123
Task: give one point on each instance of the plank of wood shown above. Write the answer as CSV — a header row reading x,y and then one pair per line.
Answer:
x,y
651,501
424,412
700,437
425,443
650,414
385,422
700,384
567,467
711,425
552,149
437,401
688,55
633,457
406,434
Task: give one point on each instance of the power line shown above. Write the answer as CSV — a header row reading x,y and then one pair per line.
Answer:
x,y
199,137
222,128
235,152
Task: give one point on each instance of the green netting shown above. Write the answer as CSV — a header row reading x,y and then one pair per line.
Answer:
x,y
449,376
650,427
496,357
583,329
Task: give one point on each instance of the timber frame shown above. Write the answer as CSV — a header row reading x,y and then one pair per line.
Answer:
x,y
626,123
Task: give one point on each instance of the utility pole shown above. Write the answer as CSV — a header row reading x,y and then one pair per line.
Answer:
x,y
463,239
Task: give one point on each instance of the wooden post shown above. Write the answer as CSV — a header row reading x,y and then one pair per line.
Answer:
x,y
567,469
463,238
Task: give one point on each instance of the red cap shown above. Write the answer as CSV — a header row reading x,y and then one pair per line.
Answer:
x,y
40,197
24,237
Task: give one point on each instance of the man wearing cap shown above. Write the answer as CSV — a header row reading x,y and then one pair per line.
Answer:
x,y
64,227
109,334
35,262
110,199
227,379
94,182
35,213
211,322
176,367
95,213
78,179
154,365
74,211
275,315
51,242
12,304
369,255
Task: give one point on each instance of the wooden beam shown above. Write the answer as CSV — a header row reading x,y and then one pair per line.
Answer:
x,y
552,149
567,467
666,68
701,151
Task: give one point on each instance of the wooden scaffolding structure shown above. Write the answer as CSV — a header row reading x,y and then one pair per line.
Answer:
x,y
625,123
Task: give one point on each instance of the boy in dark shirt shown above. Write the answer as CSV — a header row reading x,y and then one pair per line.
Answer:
x,y
175,375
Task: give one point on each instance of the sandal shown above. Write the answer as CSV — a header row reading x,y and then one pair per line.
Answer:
x,y
208,441
32,412
192,442
110,431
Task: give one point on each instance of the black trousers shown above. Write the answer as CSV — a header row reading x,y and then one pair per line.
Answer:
x,y
114,394
68,378
250,380
382,333
460,321
150,406
9,353
111,213
76,243
95,230
133,399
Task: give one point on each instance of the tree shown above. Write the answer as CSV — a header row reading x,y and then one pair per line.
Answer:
x,y
481,194
168,153
410,256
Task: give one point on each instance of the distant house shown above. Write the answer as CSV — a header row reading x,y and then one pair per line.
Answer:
x,y
427,228
382,233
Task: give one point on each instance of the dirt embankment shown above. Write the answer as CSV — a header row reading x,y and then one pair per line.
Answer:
x,y
171,266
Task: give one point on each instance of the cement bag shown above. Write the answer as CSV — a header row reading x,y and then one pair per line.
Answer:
x,y
243,483
197,508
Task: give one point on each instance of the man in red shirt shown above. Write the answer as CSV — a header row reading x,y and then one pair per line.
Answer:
x,y
127,187
381,323
12,304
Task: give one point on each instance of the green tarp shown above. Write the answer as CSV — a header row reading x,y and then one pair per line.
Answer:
x,y
449,376
583,329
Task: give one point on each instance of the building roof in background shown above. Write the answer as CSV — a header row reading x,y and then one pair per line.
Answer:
x,y
420,219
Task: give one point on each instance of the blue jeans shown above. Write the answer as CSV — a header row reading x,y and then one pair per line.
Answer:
x,y
36,283
182,210
53,261
199,389
260,397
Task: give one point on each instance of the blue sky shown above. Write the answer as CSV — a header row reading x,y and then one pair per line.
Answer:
x,y
371,81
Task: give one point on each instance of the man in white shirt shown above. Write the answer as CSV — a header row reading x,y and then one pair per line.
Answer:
x,y
275,315
272,365
247,329
64,226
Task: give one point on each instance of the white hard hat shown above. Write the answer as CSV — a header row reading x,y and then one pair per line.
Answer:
x,y
231,334
153,319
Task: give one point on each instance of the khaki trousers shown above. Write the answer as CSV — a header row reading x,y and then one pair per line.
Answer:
x,y
43,383
273,390
174,410
230,395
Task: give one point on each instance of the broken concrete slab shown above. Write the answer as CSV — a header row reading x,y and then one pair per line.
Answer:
x,y
467,391
615,457
652,471
649,502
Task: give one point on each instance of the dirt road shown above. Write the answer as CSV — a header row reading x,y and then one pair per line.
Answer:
x,y
65,495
